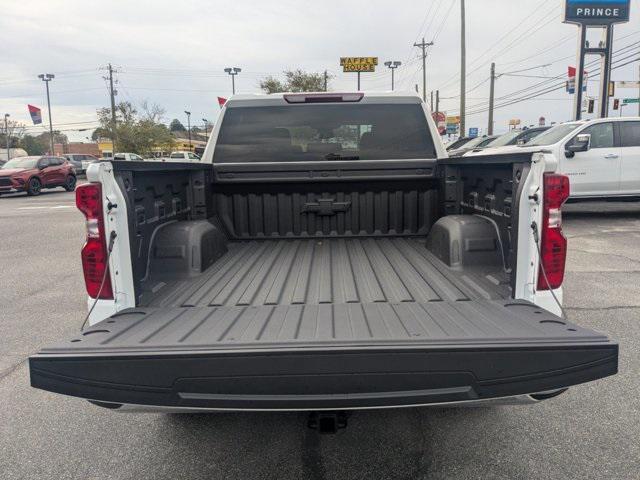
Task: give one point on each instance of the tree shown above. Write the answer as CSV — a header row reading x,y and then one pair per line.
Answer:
x,y
152,111
32,145
100,132
15,131
295,81
272,85
136,132
176,126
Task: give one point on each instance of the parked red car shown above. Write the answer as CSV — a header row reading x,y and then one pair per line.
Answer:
x,y
32,174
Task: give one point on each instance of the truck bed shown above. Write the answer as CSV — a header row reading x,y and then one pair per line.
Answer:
x,y
324,272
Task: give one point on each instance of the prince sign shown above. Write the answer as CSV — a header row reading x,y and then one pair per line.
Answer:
x,y
596,12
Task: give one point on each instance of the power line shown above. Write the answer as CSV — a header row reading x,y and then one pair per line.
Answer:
x,y
546,82
444,20
555,87
506,35
538,93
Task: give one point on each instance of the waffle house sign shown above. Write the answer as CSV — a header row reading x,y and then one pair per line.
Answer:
x,y
358,64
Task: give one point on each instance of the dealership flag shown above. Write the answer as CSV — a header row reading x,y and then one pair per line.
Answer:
x,y
36,114
221,101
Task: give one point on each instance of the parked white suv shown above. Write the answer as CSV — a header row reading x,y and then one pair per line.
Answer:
x,y
601,157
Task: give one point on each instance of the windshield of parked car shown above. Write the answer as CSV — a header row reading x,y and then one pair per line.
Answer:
x,y
474,142
22,162
554,134
486,141
315,132
458,143
505,139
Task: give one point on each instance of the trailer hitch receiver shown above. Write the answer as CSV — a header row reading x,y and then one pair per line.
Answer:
x,y
327,422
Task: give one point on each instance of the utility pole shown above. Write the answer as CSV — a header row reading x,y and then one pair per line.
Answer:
x,y
431,104
437,101
112,94
392,65
463,69
491,97
189,126
326,77
423,45
233,71
6,133
46,78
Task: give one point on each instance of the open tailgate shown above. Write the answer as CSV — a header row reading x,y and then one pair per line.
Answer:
x,y
331,356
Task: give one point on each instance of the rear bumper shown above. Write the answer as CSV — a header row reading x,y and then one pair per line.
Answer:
x,y
315,379
489,402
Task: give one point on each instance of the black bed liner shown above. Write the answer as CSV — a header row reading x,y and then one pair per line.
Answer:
x,y
326,271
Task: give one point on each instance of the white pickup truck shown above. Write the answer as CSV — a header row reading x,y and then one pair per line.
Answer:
x,y
178,156
325,255
601,157
127,157
182,156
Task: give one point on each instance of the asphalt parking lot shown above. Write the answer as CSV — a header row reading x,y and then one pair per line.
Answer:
x,y
591,431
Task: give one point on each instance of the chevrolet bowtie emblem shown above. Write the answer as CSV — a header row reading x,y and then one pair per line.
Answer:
x,y
325,206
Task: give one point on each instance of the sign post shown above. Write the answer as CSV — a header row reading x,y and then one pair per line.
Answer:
x,y
595,13
358,65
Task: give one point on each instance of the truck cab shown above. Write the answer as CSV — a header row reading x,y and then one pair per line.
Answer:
x,y
324,255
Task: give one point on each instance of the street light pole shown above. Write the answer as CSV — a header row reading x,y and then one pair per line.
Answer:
x,y
233,71
392,65
189,126
206,129
6,133
46,78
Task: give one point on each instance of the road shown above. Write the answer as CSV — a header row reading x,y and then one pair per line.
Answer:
x,y
591,431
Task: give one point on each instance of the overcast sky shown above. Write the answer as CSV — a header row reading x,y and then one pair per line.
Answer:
x,y
173,53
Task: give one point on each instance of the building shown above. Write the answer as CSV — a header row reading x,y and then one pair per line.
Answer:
x,y
76,147
181,141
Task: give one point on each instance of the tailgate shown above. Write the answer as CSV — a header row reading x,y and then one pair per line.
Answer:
x,y
332,356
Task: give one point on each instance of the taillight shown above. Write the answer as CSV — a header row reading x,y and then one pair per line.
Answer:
x,y
553,244
94,252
